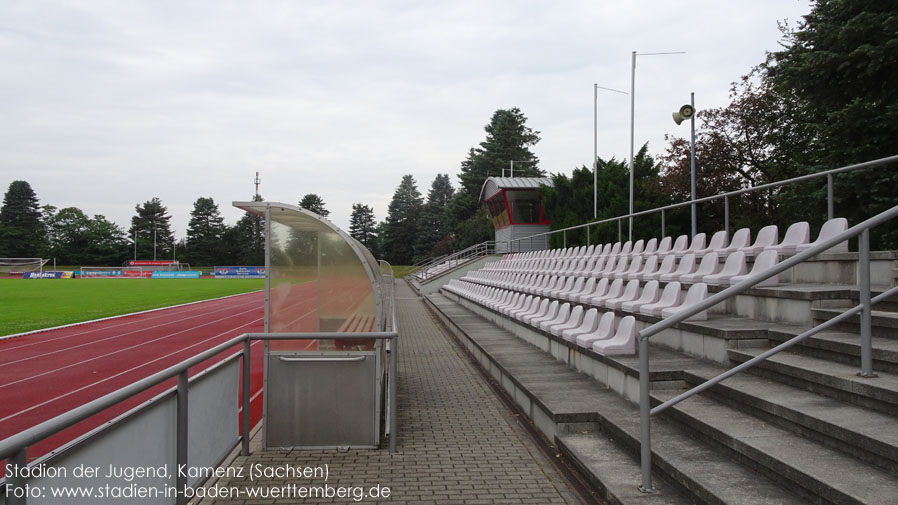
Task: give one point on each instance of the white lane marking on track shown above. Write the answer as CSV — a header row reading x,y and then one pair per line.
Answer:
x,y
139,330
120,350
189,307
47,402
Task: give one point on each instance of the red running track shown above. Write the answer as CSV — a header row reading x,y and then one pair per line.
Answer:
x,y
46,374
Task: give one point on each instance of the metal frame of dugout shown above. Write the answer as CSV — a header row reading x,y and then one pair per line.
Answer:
x,y
332,311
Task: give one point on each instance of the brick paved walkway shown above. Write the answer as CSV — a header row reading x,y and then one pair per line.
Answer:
x,y
457,442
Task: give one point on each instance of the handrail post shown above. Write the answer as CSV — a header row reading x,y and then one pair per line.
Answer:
x,y
20,460
619,230
866,313
244,451
564,239
587,236
181,438
726,214
645,419
394,412
829,197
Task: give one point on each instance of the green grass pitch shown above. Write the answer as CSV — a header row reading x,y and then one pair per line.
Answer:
x,y
27,304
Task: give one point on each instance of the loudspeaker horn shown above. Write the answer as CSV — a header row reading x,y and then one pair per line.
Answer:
x,y
685,112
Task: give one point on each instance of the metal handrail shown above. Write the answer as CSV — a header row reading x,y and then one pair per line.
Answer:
x,y
14,448
862,229
476,250
725,196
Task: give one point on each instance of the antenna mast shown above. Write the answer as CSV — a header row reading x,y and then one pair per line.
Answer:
x,y
257,180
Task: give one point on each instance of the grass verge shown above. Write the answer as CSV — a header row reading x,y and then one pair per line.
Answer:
x,y
35,304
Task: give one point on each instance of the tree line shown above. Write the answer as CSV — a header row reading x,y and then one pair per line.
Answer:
x,y
72,238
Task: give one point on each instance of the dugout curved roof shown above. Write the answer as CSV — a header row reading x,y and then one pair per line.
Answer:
x,y
493,185
320,278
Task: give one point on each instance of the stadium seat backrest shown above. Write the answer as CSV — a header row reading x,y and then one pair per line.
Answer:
x,y
681,244
664,246
650,265
797,233
718,241
742,238
651,247
606,326
829,230
638,247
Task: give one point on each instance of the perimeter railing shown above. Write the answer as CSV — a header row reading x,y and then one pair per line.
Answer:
x,y
864,308
15,448
516,245
433,267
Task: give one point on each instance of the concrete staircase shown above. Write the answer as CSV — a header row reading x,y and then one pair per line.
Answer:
x,y
801,427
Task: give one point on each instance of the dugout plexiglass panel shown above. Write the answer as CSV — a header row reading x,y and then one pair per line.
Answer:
x,y
320,279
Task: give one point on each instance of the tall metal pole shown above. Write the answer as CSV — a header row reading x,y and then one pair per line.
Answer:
x,y
633,121
632,131
154,244
135,243
692,161
595,150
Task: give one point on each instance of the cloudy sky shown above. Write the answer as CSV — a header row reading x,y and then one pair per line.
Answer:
x,y
107,103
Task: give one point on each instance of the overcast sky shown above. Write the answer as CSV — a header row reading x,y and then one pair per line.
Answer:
x,y
106,104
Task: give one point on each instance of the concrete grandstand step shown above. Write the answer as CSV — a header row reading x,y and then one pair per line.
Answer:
x,y
836,380
548,389
843,347
863,433
814,471
613,471
701,469
885,324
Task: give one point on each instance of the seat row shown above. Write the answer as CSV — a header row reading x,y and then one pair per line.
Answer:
x,y
606,334
687,270
797,239
634,297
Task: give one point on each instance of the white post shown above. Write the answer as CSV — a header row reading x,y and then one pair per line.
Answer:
x,y
632,130
692,161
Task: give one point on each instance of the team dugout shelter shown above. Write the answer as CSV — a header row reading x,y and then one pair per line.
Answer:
x,y
516,210
320,393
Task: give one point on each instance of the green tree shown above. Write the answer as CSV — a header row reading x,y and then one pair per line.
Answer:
x,y
76,239
204,233
569,201
508,138
363,227
22,232
151,224
433,229
839,69
108,243
67,233
315,204
402,222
